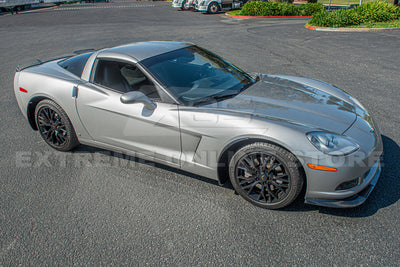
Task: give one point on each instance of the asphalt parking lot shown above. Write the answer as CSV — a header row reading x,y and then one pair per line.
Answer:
x,y
99,208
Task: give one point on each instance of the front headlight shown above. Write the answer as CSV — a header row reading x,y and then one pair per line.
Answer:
x,y
332,144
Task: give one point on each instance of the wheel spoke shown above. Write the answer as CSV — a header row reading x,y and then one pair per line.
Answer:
x,y
255,161
51,126
46,114
64,132
262,192
279,187
44,124
249,162
245,167
46,133
43,119
49,135
271,194
245,180
263,161
251,186
59,138
52,114
274,167
280,178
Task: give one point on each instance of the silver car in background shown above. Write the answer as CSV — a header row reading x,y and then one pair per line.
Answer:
x,y
183,4
215,6
183,106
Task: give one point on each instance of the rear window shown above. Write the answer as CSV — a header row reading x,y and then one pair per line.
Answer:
x,y
75,64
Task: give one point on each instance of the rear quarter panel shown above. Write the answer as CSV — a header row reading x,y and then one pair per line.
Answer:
x,y
49,81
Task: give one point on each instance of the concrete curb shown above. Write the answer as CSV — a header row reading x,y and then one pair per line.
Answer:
x,y
267,17
327,29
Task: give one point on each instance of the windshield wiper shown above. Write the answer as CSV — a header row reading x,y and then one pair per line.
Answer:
x,y
247,85
222,97
215,97
255,76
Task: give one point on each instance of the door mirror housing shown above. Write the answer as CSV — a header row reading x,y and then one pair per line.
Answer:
x,y
138,97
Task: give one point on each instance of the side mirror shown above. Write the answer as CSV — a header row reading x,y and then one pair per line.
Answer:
x,y
138,97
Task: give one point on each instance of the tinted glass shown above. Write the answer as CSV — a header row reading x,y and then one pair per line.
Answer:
x,y
123,77
75,64
193,74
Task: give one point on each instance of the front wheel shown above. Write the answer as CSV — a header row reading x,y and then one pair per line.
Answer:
x,y
266,175
54,126
213,8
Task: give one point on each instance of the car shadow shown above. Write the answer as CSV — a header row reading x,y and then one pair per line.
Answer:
x,y
386,192
136,160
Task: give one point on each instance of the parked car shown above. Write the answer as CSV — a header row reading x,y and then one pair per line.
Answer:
x,y
183,106
215,6
183,4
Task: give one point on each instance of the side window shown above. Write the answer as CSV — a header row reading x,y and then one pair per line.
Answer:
x,y
75,64
123,77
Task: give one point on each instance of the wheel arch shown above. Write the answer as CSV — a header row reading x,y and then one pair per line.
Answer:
x,y
30,110
183,4
230,149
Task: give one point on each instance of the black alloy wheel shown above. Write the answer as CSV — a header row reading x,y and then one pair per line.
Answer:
x,y
266,175
54,126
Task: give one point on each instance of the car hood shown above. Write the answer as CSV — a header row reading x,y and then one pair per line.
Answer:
x,y
280,98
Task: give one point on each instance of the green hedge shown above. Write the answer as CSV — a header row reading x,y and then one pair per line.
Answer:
x,y
376,11
257,8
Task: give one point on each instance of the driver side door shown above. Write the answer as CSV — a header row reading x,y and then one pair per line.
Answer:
x,y
154,133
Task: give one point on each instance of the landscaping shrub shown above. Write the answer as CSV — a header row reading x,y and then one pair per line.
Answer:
x,y
257,8
339,18
310,9
376,11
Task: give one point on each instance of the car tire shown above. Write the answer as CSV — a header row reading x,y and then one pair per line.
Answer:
x,y
183,5
266,175
213,8
54,126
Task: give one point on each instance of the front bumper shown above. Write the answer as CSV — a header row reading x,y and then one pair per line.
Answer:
x,y
364,165
200,8
359,198
177,4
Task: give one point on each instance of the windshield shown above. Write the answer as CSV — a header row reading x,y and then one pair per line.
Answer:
x,y
194,75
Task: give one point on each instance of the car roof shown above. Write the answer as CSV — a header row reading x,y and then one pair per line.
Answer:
x,y
143,50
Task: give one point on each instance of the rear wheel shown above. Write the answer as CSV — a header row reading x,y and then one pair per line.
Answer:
x,y
266,175
54,126
213,8
183,5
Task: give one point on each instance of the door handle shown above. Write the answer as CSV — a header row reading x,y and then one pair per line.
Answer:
x,y
75,91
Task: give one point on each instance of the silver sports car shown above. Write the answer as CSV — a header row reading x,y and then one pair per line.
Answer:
x,y
183,106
